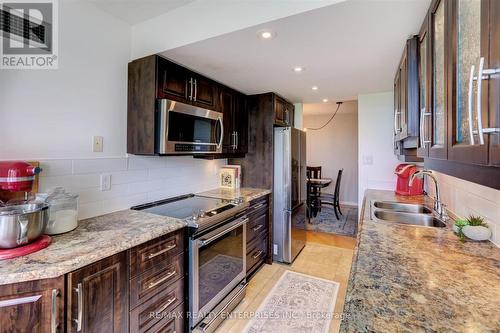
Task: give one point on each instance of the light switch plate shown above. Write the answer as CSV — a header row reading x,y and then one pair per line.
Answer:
x,y
97,144
367,159
106,182
275,249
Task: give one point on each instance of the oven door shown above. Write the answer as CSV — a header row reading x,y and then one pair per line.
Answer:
x,y
183,128
217,266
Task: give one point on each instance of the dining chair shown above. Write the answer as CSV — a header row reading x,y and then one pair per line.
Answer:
x,y
333,199
313,192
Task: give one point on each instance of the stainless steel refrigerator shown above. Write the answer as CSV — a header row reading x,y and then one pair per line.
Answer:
x,y
289,193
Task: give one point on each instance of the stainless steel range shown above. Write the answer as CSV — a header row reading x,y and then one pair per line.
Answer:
x,y
217,254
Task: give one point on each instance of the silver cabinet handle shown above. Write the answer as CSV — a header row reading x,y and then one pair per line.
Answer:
x,y
396,128
237,140
221,132
156,254
257,228
167,304
233,140
163,279
53,311
483,74
469,106
257,206
78,321
195,89
191,89
423,138
258,254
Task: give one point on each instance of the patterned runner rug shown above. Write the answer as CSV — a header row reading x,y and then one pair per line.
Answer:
x,y
298,303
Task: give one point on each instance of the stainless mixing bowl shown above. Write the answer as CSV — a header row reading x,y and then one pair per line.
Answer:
x,y
22,224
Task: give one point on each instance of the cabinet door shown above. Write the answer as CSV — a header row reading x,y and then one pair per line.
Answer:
x,y
466,26
173,81
227,108
98,297
403,96
279,111
240,116
289,114
397,105
494,80
205,93
34,306
438,145
424,86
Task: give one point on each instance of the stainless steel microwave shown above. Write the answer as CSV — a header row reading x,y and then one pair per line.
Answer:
x,y
187,129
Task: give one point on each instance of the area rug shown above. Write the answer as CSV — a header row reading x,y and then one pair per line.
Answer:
x,y
326,221
215,274
298,303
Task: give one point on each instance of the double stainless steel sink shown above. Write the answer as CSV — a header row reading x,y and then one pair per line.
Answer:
x,y
405,213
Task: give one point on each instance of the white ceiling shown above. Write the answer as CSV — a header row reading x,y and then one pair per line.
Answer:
x,y
313,109
347,49
136,11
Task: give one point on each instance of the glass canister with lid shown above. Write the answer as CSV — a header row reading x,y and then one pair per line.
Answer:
x,y
63,211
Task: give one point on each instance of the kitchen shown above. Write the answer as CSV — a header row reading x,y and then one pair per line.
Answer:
x,y
97,126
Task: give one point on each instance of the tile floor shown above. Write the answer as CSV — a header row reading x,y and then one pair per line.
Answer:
x,y
326,256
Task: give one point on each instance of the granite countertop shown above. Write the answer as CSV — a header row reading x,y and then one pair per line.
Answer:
x,y
247,193
100,237
406,278
94,239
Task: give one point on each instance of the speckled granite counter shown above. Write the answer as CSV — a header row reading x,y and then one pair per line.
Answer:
x,y
408,279
94,239
246,193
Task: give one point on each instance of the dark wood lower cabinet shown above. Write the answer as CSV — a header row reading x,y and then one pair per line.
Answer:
x,y
34,306
258,231
98,297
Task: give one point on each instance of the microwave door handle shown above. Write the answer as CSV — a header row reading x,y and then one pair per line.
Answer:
x,y
221,137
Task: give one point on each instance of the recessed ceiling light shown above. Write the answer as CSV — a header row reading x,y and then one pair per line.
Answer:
x,y
266,34
314,88
298,69
325,100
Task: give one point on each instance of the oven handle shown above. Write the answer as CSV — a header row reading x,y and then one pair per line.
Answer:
x,y
238,223
221,137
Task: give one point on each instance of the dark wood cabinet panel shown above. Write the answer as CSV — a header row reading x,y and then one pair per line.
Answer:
x,y
257,253
34,306
283,112
97,297
205,93
157,252
494,81
173,81
234,108
424,75
258,231
173,322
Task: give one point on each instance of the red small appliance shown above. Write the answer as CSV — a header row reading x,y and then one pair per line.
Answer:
x,y
404,172
17,176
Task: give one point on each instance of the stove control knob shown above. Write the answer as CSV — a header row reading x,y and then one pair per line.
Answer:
x,y
237,201
202,213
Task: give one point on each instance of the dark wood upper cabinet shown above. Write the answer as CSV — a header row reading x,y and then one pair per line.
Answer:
x,y
283,112
34,306
424,75
97,297
234,109
172,81
205,93
472,104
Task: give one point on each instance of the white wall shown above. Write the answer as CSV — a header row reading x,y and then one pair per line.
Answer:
x,y
464,198
298,116
335,147
52,115
376,156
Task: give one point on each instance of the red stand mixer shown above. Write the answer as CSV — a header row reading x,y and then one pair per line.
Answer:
x,y
22,221
404,172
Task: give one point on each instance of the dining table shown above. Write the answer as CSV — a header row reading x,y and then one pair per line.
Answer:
x,y
314,183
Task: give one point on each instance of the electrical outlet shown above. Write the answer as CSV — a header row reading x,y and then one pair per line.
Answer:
x,y
275,249
367,159
97,144
106,182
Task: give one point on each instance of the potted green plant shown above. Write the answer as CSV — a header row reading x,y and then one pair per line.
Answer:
x,y
476,229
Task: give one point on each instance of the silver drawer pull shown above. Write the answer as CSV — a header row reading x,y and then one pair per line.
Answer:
x,y
168,248
258,206
257,228
163,279
167,304
258,254
53,312
78,321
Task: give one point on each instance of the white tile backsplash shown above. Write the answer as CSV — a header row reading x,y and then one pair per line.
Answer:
x,y
134,180
464,198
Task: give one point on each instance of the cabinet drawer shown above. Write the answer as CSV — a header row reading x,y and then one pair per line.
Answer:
x,y
160,307
170,324
258,207
155,280
257,225
155,252
257,252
